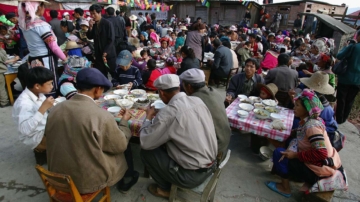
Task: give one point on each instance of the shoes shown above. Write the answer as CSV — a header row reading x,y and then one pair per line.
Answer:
x,y
40,157
6,105
124,188
272,186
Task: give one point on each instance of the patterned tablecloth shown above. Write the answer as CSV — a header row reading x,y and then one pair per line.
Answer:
x,y
136,121
257,126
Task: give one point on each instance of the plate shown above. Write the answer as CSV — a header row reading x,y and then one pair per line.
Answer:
x,y
255,99
261,114
242,113
246,107
268,102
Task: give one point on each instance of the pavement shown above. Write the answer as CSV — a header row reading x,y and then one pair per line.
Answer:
x,y
242,178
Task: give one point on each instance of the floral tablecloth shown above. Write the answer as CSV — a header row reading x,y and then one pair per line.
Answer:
x,y
137,118
257,126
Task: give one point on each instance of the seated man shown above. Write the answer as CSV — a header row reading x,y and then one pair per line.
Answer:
x,y
179,145
31,110
193,81
244,83
223,61
84,141
125,73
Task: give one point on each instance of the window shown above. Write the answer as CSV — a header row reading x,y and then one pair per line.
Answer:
x,y
334,8
308,5
284,19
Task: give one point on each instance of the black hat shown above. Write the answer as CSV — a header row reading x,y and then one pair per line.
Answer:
x,y
10,15
92,77
140,13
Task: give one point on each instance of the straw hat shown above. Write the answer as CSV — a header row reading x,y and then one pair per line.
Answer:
x,y
71,45
133,17
183,28
233,28
34,1
271,88
319,82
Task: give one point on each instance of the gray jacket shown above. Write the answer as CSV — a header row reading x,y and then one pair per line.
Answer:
x,y
223,61
283,77
60,35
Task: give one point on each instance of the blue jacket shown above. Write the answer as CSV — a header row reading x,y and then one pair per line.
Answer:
x,y
124,77
351,76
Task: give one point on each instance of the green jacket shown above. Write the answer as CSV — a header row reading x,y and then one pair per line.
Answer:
x,y
351,76
215,103
6,21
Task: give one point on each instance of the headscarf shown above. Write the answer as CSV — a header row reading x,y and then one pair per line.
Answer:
x,y
145,34
311,102
319,44
154,37
30,7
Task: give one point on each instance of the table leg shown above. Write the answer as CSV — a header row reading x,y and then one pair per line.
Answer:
x,y
9,78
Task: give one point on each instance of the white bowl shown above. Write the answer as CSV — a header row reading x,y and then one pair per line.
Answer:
x,y
138,93
261,114
255,99
129,97
114,110
153,97
124,103
246,107
158,104
242,113
265,153
259,106
111,99
242,96
141,102
271,103
272,109
275,116
58,100
246,100
121,92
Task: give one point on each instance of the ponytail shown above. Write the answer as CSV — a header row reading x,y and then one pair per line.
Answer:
x,y
189,52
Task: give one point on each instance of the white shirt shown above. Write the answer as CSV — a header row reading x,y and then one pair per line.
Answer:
x,y
30,122
234,59
188,20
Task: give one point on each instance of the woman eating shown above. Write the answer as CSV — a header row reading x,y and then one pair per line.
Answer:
x,y
310,155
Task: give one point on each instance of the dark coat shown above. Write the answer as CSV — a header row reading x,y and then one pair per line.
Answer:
x,y
104,38
188,63
214,102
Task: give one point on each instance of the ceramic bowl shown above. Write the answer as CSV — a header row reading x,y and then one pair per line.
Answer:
x,y
153,97
261,114
255,99
138,93
246,107
58,100
125,103
242,113
259,106
275,116
111,99
265,153
158,104
246,100
121,92
272,109
114,110
141,102
271,103
242,96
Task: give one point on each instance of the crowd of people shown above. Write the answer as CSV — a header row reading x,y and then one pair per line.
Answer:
x,y
184,142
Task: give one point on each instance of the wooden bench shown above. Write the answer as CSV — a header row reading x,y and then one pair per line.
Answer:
x,y
319,196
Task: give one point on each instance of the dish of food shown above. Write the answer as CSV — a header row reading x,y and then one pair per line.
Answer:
x,y
153,97
111,97
114,110
272,109
138,92
121,92
271,103
259,106
246,100
242,113
125,103
246,107
275,116
261,114
255,99
242,96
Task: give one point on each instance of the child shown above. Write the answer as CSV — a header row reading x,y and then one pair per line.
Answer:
x,y
169,66
88,45
5,21
67,27
178,57
7,40
180,41
144,56
125,73
267,91
150,75
31,110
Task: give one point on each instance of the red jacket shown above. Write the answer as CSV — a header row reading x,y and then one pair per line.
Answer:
x,y
156,73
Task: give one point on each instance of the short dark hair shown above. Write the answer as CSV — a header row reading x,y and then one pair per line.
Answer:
x,y
95,7
142,52
3,27
254,61
283,59
68,24
140,13
54,14
131,48
151,64
252,36
79,11
216,43
195,86
38,75
226,44
243,37
117,12
247,43
199,18
110,11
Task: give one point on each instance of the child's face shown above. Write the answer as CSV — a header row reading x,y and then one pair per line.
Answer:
x,y
302,47
145,55
264,95
84,27
3,32
45,88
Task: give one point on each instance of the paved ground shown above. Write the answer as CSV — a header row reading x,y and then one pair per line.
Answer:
x,y
242,180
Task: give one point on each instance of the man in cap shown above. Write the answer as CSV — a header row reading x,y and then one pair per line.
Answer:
x,y
83,140
179,145
193,81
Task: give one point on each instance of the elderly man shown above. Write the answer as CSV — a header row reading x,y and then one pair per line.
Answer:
x,y
244,83
193,81
179,145
84,141
223,61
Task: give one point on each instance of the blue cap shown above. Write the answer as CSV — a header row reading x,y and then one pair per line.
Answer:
x,y
124,58
92,77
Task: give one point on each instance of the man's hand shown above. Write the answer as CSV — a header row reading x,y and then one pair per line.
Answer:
x,y
289,154
150,112
125,113
47,104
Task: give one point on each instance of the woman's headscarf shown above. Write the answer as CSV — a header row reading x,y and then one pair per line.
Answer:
x,y
311,102
30,7
319,44
145,34
154,37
